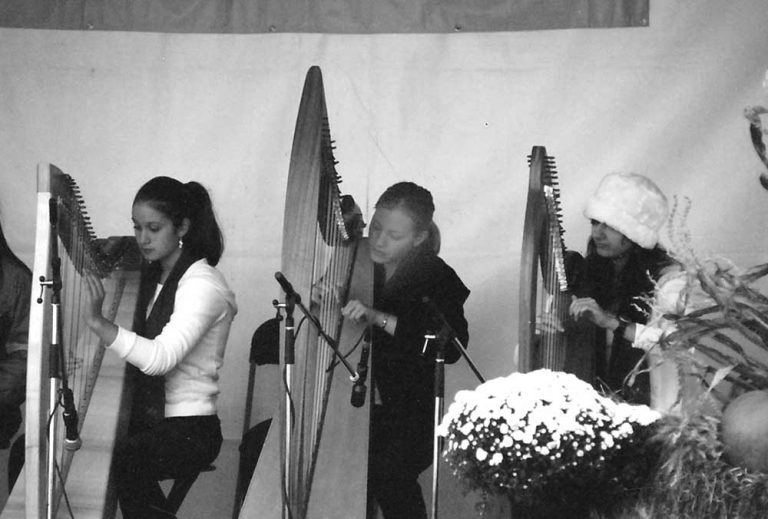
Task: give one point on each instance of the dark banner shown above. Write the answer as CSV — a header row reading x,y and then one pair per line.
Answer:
x,y
322,16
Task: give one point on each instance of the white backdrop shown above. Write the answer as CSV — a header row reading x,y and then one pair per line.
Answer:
x,y
457,113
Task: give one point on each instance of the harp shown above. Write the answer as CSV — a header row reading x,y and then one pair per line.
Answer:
x,y
63,352
543,281
321,445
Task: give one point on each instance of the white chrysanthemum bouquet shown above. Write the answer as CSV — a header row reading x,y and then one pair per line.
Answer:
x,y
545,436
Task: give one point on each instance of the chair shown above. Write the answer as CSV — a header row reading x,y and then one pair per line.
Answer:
x,y
265,350
181,485
15,461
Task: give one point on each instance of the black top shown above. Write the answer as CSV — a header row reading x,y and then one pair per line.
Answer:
x,y
15,291
403,375
626,294
148,391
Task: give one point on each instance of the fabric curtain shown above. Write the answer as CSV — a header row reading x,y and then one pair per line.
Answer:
x,y
321,16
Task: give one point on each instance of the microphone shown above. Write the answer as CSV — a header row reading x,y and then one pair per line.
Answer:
x,y
72,441
357,398
446,330
287,287
359,389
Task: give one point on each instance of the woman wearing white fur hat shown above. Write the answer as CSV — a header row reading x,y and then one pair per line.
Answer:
x,y
623,266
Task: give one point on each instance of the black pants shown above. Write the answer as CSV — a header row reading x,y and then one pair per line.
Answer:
x,y
401,449
176,446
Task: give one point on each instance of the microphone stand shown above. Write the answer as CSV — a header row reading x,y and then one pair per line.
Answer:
x,y
289,359
446,330
57,372
288,289
437,440
292,300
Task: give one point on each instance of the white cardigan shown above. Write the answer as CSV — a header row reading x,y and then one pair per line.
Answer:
x,y
190,349
669,297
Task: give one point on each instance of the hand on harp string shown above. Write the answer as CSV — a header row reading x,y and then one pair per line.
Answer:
x,y
549,323
587,308
361,313
92,312
326,292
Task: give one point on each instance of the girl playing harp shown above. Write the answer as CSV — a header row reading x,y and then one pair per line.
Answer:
x,y
184,313
623,267
406,270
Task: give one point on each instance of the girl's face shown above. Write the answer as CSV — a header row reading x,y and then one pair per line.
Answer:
x,y
157,236
609,243
392,235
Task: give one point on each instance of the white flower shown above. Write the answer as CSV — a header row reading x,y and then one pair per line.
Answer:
x,y
607,439
542,423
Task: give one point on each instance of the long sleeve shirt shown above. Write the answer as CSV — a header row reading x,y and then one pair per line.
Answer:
x,y
190,349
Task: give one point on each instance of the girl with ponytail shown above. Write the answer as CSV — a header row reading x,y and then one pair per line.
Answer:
x,y
181,325
403,242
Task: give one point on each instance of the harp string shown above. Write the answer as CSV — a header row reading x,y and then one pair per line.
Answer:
x,y
331,266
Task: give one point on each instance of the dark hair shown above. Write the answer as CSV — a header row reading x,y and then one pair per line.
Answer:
x,y
434,238
411,197
191,200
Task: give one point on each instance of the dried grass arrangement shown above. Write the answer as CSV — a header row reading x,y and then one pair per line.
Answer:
x,y
721,350
723,341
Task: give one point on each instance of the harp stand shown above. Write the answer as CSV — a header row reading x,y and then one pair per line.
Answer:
x,y
446,331
59,387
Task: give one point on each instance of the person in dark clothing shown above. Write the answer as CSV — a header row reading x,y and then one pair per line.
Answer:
x,y
403,245
15,293
623,264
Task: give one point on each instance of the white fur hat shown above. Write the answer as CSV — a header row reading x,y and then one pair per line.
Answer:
x,y
632,204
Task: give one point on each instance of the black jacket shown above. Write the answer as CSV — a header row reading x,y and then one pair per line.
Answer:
x,y
626,295
404,377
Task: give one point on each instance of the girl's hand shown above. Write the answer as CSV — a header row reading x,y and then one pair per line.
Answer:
x,y
359,312
95,299
325,292
587,308
104,329
549,323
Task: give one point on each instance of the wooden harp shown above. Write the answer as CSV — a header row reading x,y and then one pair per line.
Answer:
x,y
543,282
65,242
314,465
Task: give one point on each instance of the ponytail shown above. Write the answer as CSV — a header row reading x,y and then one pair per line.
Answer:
x,y
203,239
432,243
